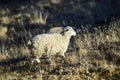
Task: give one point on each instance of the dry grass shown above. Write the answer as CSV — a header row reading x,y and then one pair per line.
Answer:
x,y
55,1
94,54
39,17
3,31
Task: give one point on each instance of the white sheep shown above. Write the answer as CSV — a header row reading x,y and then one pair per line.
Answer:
x,y
51,44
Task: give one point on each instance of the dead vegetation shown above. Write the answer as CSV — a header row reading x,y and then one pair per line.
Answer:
x,y
94,54
90,56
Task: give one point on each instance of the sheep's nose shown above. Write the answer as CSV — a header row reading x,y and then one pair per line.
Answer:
x,y
75,30
74,33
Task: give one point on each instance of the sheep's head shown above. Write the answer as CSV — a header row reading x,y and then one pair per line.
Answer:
x,y
69,30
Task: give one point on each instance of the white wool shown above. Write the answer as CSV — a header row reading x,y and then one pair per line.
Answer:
x,y
51,44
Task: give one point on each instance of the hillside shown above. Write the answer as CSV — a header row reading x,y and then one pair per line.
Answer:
x,y
93,54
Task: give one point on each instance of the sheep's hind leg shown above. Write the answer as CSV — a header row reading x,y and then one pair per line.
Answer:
x,y
51,61
49,57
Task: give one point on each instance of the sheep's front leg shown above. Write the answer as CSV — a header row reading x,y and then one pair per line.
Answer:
x,y
63,55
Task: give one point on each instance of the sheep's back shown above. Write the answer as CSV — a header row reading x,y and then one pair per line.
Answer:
x,y
50,44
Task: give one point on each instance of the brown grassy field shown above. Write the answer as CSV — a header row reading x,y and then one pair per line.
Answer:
x,y
93,54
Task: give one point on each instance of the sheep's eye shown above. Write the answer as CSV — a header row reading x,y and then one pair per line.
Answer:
x,y
66,30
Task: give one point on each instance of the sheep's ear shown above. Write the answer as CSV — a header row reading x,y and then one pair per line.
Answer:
x,y
62,33
66,30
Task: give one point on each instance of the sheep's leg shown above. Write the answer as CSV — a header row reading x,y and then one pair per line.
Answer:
x,y
63,55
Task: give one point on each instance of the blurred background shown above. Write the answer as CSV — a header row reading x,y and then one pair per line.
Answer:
x,y
66,12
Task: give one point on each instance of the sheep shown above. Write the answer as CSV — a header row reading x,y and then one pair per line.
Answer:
x,y
51,44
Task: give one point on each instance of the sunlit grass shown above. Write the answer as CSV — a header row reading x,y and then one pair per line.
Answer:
x,y
38,17
3,32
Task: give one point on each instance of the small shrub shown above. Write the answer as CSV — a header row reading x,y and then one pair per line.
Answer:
x,y
39,17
